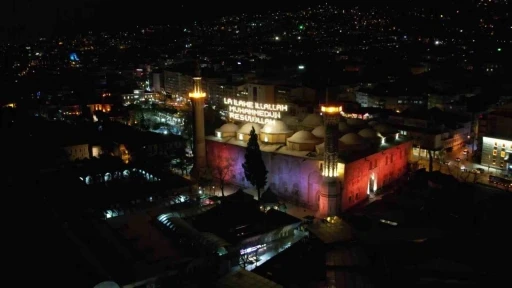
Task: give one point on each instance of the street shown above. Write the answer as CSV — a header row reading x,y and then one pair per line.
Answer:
x,y
464,170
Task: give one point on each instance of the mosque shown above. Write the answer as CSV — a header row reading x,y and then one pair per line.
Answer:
x,y
324,162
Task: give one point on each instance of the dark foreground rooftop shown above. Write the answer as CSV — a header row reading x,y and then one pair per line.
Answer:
x,y
235,220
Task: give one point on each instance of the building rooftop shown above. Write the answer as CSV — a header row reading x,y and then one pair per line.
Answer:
x,y
303,137
276,127
328,233
346,156
235,220
434,114
146,242
245,279
270,148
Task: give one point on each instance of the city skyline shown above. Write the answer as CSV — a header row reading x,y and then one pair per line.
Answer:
x,y
354,144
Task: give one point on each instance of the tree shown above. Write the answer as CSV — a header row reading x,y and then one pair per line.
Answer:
x,y
476,176
442,156
464,176
430,161
244,260
254,167
206,179
222,172
188,129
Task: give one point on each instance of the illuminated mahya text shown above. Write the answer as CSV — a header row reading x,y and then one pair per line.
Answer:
x,y
254,112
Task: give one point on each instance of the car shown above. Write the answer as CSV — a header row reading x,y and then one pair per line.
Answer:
x,y
480,170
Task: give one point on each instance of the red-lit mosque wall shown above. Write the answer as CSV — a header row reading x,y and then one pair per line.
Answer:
x,y
385,167
300,179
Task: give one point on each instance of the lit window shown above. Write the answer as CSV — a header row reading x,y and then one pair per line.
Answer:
x,y
240,136
494,152
503,145
503,154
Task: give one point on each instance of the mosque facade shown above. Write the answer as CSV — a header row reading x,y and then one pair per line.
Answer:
x,y
361,157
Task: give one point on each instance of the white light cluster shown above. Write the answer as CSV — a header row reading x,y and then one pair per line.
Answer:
x,y
248,111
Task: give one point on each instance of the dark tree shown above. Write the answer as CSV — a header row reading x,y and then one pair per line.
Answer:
x,y
430,161
188,129
222,172
254,167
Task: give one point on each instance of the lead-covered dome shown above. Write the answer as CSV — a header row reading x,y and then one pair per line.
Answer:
x,y
320,148
312,121
291,121
246,128
276,127
352,139
107,284
344,128
228,128
304,137
356,122
319,131
303,141
368,133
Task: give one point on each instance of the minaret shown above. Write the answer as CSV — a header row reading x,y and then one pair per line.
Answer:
x,y
197,97
330,195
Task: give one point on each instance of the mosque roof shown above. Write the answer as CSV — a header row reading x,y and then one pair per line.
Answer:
x,y
304,137
228,128
277,127
247,127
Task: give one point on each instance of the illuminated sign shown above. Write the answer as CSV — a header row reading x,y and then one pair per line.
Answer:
x,y
254,112
252,249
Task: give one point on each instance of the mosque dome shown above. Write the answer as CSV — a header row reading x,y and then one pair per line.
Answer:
x,y
228,128
276,127
351,139
246,128
107,284
312,120
319,131
356,122
368,133
344,128
303,137
291,121
320,148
